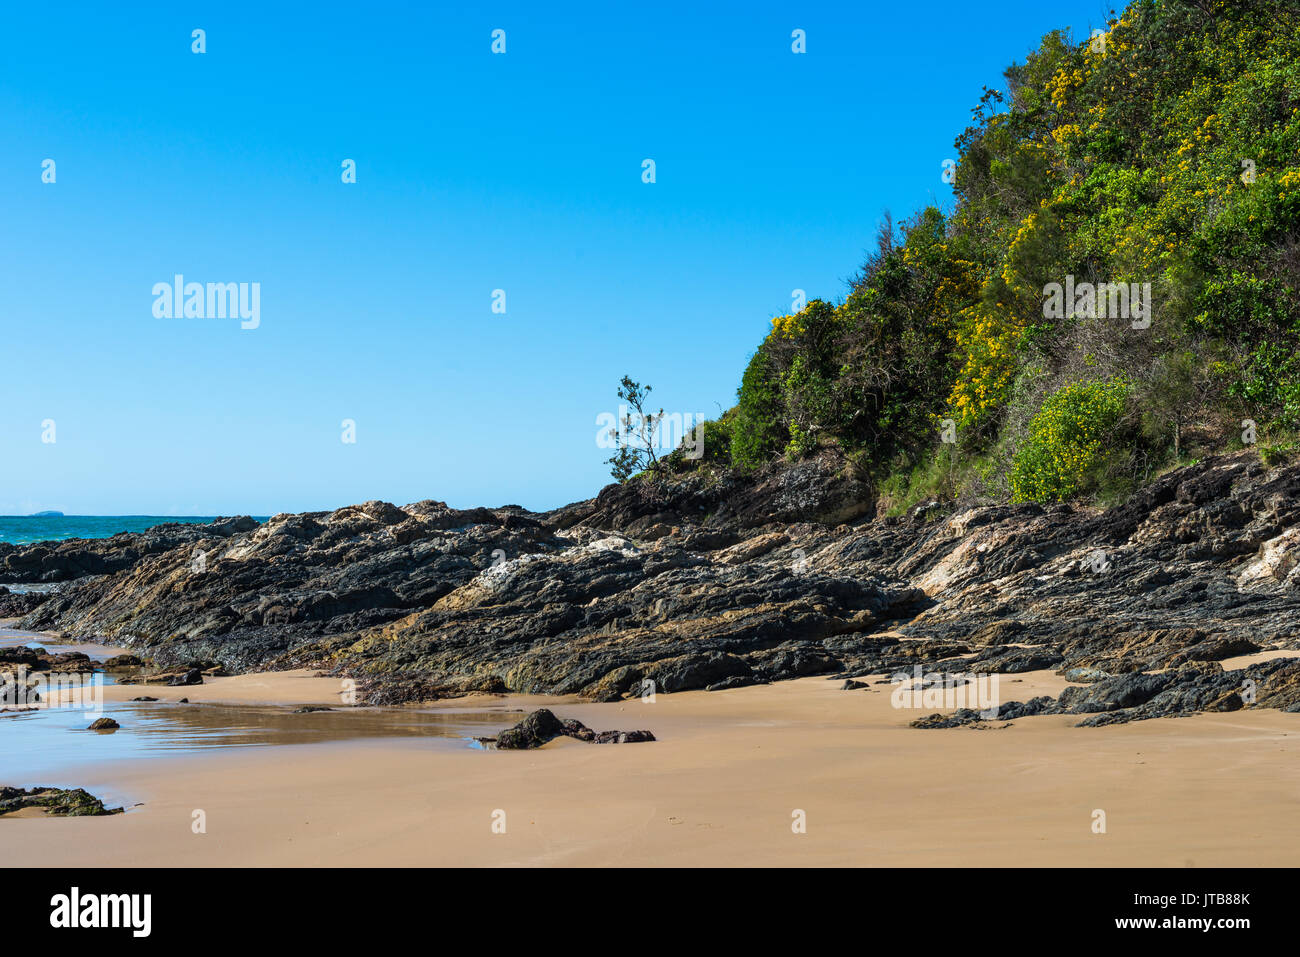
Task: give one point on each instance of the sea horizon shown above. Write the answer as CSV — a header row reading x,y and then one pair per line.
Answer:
x,y
28,529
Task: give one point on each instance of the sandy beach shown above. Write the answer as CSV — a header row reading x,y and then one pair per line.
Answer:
x,y
720,786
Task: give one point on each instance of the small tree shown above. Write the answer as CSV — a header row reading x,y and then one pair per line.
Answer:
x,y
635,436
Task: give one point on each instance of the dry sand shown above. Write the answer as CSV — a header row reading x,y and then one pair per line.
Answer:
x,y
719,787
279,687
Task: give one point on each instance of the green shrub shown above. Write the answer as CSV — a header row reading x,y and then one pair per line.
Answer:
x,y
1070,443
759,431
717,441
1278,453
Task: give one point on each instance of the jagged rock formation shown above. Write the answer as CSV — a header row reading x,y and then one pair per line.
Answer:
x,y
714,582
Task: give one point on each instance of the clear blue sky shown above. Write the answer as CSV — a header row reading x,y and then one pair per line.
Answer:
x,y
474,172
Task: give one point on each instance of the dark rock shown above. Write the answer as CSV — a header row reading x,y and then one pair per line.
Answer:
x,y
686,672
623,737
532,732
961,718
120,662
735,681
15,605
1012,710
542,726
58,802
968,717
1014,660
1113,694
41,660
103,724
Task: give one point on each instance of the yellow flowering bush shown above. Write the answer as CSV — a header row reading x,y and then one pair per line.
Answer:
x,y
988,342
1068,442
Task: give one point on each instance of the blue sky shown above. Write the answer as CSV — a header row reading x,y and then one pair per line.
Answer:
x,y
475,172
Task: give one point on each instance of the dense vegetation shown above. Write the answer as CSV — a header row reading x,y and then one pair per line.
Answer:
x,y
1164,152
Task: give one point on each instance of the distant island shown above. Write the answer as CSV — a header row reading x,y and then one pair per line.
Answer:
x,y
46,515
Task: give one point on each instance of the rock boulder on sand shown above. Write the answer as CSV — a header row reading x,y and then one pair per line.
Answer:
x,y
542,726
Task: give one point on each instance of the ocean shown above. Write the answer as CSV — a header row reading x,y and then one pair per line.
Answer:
x,y
21,529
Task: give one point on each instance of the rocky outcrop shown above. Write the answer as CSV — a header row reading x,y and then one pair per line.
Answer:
x,y
726,505
59,802
427,601
721,580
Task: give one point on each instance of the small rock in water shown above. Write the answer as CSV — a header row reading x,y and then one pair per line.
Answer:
x,y
311,708
103,724
144,697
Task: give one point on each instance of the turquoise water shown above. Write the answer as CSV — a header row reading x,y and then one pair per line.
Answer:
x,y
21,529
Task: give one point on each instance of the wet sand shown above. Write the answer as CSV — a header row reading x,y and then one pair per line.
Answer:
x,y
719,787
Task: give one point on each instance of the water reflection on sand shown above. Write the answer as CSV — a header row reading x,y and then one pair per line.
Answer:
x,y
36,744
